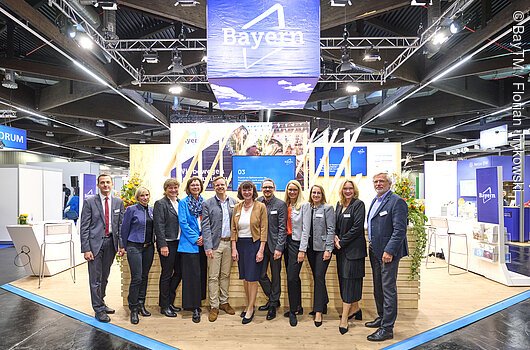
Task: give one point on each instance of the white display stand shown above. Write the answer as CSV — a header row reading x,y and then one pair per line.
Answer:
x,y
495,269
31,237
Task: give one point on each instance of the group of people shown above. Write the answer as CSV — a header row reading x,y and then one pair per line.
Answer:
x,y
198,239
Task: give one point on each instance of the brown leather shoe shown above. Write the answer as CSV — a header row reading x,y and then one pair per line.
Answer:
x,y
213,314
227,308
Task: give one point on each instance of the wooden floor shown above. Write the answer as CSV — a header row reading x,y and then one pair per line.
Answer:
x,y
443,298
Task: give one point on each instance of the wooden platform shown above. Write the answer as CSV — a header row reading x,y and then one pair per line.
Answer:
x,y
408,290
443,299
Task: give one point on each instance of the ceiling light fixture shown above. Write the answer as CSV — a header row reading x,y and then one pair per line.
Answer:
x,y
175,89
441,36
339,3
109,5
150,57
430,121
185,3
176,62
351,88
371,55
100,123
9,80
85,41
49,133
457,25
346,64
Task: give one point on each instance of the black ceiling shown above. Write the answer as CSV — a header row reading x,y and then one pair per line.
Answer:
x,y
54,87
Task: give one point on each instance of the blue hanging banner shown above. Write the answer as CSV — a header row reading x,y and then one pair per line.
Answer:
x,y
488,198
12,138
263,54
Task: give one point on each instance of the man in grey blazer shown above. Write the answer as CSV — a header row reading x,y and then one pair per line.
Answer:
x,y
100,232
216,218
277,214
387,233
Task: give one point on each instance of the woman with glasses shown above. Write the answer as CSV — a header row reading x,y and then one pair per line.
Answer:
x,y
318,231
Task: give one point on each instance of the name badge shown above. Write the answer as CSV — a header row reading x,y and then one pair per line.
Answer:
x,y
116,210
274,212
383,213
319,215
347,215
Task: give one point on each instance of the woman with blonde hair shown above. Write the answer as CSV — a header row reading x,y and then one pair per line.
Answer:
x,y
293,199
137,239
350,247
318,231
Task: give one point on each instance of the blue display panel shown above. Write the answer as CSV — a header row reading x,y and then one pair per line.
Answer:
x,y
357,160
257,168
263,38
12,138
488,199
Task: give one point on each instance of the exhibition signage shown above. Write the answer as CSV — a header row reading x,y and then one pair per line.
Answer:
x,y
263,54
89,185
357,160
281,169
12,138
488,197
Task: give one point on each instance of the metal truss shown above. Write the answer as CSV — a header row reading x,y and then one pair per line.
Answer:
x,y
426,36
354,43
158,79
76,18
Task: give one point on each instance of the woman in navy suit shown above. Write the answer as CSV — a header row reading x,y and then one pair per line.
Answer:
x,y
137,238
318,230
193,268
350,247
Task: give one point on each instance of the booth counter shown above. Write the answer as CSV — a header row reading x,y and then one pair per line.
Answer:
x,y
60,254
511,222
479,248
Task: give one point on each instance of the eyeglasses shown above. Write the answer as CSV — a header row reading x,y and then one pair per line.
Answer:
x,y
268,187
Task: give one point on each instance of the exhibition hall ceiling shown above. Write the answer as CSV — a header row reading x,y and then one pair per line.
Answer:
x,y
398,69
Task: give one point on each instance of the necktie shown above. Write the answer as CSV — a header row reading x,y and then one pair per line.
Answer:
x,y
106,216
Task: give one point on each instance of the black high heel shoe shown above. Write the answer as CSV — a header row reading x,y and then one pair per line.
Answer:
x,y
343,330
358,315
246,320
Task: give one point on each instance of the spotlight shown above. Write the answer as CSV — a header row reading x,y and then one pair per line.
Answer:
x,y
85,42
71,30
339,3
351,88
175,89
430,121
346,64
100,123
9,80
456,26
371,55
441,36
176,62
150,57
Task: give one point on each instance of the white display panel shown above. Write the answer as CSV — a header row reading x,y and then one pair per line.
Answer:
x,y
9,206
468,188
440,188
53,195
30,193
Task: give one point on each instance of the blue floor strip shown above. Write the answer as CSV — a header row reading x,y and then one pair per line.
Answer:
x,y
2,246
464,321
90,320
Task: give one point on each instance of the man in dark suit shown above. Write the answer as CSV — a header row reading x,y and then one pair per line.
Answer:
x,y
100,230
277,213
387,233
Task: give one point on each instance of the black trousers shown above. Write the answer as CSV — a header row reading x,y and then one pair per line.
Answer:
x,y
319,268
98,273
203,263
294,284
271,287
191,281
385,289
170,276
140,259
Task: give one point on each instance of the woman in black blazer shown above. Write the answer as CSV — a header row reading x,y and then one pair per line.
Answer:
x,y
350,247
167,232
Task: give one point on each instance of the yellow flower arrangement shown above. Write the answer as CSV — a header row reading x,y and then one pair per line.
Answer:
x,y
403,187
23,219
128,190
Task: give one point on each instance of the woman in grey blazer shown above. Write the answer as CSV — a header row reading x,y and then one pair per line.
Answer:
x,y
294,199
318,231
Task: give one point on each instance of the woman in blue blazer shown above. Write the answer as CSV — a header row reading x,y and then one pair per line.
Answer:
x,y
191,249
137,239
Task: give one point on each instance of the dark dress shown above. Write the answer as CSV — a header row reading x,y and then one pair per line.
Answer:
x,y
351,257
